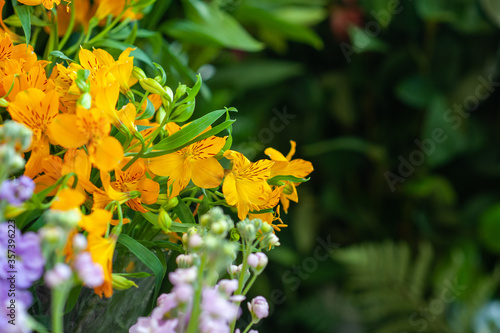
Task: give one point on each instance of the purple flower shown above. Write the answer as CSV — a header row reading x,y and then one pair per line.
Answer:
x,y
17,191
215,306
20,254
258,308
183,275
183,292
91,274
158,322
17,314
21,296
58,275
228,287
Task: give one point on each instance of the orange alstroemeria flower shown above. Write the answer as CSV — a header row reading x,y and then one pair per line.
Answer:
x,y
36,110
76,161
49,4
195,162
285,166
128,181
90,128
245,185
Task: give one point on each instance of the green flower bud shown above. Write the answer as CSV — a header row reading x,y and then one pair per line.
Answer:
x,y
234,235
288,189
138,73
171,203
183,112
266,228
152,86
85,101
180,91
3,102
164,221
67,219
122,283
205,220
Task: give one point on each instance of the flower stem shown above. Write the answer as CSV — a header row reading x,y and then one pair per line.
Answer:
x,y
70,25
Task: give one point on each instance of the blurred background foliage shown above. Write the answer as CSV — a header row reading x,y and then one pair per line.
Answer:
x,y
412,215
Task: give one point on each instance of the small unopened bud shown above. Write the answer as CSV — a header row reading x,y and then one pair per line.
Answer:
x,y
259,308
258,261
67,219
288,189
85,101
234,270
180,91
3,102
152,86
160,115
122,283
57,275
184,260
79,243
266,228
138,73
195,241
164,221
171,203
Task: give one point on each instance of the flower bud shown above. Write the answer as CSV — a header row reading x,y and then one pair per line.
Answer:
x,y
122,283
152,86
57,275
171,203
184,260
234,270
79,243
3,102
266,228
138,73
205,220
259,308
160,115
85,101
288,189
258,261
180,91
67,219
195,242
164,221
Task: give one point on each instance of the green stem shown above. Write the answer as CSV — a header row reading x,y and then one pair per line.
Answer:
x,y
249,284
193,320
70,26
59,295
248,327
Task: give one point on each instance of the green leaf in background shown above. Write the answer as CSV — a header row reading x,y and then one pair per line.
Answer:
x,y
25,17
415,91
282,21
441,118
492,10
184,213
433,10
208,25
489,228
438,187
148,258
362,42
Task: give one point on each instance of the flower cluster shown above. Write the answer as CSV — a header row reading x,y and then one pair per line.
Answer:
x,y
94,153
199,301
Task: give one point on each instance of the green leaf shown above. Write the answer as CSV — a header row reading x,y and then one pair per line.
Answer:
x,y
489,228
184,213
492,10
415,91
275,21
134,275
149,112
137,53
59,54
210,26
277,180
183,136
24,16
169,245
73,296
362,42
148,258
133,34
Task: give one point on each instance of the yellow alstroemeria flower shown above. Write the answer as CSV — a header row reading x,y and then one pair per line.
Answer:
x,y
286,166
245,185
90,128
36,110
102,250
49,4
132,179
195,162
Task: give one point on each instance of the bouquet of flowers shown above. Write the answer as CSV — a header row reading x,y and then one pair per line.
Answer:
x,y
100,163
